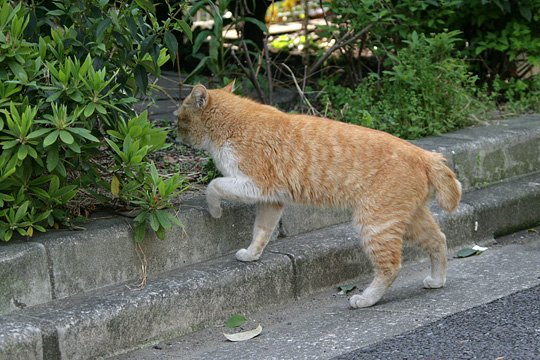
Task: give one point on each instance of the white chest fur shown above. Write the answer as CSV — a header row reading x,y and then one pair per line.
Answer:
x,y
225,159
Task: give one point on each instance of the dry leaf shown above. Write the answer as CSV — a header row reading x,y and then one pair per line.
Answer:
x,y
245,335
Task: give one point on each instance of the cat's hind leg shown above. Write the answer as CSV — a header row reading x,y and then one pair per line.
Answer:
x,y
382,242
424,232
266,220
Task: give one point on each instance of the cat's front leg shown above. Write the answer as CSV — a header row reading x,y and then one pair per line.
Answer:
x,y
214,200
266,220
233,189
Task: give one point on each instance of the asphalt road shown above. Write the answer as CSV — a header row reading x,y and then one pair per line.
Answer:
x,y
507,328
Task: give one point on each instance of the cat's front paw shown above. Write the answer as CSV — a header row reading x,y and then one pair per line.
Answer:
x,y
215,211
431,283
361,301
245,256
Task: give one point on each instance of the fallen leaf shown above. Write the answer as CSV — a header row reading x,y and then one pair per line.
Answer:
x,y
236,321
466,252
532,231
115,186
344,289
245,335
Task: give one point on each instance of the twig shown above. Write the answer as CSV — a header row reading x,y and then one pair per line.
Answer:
x,y
305,29
249,72
253,75
302,95
144,267
343,41
268,71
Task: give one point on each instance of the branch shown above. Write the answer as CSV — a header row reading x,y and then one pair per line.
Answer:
x,y
250,72
268,71
344,41
302,95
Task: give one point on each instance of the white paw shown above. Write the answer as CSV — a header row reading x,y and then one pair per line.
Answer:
x,y
245,255
215,211
430,283
361,301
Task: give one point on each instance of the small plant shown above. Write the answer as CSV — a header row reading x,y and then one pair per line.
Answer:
x,y
425,92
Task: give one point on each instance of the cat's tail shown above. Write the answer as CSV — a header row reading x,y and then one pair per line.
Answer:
x,y
443,181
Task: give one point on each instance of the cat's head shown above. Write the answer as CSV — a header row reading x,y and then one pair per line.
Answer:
x,y
192,116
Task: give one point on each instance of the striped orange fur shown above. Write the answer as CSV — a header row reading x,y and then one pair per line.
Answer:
x,y
271,158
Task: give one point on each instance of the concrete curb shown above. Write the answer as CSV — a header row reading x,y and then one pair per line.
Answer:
x,y
116,319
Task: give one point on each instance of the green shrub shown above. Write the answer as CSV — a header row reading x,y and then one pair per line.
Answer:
x,y
498,35
66,97
518,96
427,91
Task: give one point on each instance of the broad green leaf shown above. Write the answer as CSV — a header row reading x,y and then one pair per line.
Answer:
x,y
154,222
18,71
160,233
171,43
100,29
89,109
163,219
141,78
199,40
66,137
22,152
6,145
147,44
51,138
153,173
52,159
147,5
38,133
84,133
32,152
186,29
139,232
21,211
236,321
74,147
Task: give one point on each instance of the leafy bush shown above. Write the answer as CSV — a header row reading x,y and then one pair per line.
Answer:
x,y
66,96
426,92
518,96
498,35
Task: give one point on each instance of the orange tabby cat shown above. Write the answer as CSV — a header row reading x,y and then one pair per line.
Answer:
x,y
270,158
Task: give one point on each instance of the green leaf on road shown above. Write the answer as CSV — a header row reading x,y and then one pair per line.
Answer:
x,y
344,289
466,252
236,321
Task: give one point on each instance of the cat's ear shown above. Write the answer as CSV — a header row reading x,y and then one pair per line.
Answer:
x,y
199,96
229,87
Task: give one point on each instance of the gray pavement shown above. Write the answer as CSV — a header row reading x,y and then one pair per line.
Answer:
x,y
322,327
507,328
